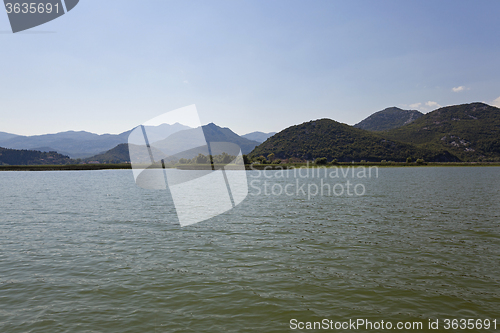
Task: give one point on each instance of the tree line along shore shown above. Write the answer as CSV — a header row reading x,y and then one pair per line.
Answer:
x,y
255,166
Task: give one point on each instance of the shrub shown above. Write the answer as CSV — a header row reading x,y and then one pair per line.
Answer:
x,y
223,158
261,160
201,159
320,161
409,160
420,161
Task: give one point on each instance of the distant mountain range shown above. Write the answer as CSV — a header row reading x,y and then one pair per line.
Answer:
x,y
258,136
157,133
84,144
6,136
389,118
74,144
181,141
468,132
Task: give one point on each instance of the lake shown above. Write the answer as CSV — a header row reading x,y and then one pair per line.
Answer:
x,y
89,251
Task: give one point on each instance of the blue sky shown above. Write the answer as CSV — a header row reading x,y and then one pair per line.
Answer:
x,y
108,66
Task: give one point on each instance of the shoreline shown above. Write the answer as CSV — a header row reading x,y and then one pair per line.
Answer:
x,y
372,164
66,167
127,166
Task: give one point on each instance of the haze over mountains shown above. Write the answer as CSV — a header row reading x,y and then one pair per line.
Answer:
x,y
212,132
258,136
74,144
6,136
179,145
84,144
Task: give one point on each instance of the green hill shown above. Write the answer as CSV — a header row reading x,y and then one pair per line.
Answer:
x,y
389,118
119,154
333,140
469,131
31,157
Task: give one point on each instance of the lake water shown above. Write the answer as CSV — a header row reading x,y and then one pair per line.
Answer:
x,y
91,252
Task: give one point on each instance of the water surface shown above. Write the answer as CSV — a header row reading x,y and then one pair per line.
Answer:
x,y
88,251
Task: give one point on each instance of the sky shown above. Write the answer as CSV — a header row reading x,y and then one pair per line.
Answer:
x,y
108,66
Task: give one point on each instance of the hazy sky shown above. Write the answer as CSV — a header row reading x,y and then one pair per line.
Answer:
x,y
110,65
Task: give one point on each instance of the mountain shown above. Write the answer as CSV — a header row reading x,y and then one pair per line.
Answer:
x,y
111,147
76,144
258,136
468,131
6,136
333,140
80,144
119,154
214,133
388,119
157,133
187,139
31,157
50,149
178,145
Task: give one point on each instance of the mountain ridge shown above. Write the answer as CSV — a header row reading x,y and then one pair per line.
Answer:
x,y
180,144
82,144
389,118
258,136
75,143
336,141
469,131
466,132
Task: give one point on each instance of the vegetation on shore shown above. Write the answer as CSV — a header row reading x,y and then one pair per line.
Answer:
x,y
31,157
65,167
370,164
284,166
